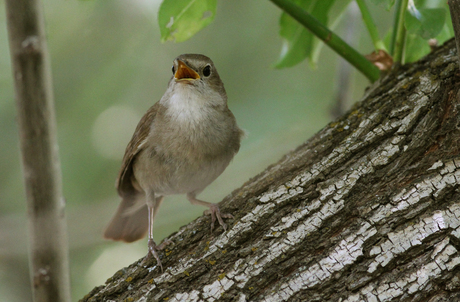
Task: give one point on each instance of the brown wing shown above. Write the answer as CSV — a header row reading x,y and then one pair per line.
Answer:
x,y
125,178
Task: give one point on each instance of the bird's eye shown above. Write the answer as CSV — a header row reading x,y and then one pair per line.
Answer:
x,y
173,70
207,71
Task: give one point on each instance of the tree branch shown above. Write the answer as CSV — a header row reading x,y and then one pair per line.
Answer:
x,y
454,8
48,256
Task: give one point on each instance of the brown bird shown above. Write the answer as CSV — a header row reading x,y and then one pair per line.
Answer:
x,y
181,145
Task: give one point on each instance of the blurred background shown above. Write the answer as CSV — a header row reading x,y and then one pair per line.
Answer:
x,y
108,68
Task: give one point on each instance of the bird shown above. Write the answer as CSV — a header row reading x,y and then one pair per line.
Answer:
x,y
181,145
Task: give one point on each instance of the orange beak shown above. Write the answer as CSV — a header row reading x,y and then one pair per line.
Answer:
x,y
183,72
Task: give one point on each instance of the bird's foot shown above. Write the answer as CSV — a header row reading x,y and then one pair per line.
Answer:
x,y
153,249
215,213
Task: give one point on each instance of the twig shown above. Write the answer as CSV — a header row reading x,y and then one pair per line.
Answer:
x,y
399,32
370,25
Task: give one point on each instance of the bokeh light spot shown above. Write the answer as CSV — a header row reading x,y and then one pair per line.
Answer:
x,y
112,131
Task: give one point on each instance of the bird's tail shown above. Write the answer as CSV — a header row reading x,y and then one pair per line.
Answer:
x,y
130,222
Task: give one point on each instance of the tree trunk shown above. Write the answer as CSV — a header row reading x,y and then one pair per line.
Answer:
x,y
48,252
368,209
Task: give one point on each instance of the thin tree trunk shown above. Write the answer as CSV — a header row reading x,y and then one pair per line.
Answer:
x,y
366,210
454,8
48,252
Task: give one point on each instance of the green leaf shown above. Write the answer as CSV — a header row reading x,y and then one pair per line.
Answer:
x,y
425,22
179,20
388,3
447,31
296,39
298,42
416,48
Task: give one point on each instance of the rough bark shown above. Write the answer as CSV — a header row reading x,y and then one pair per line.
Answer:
x,y
368,209
48,253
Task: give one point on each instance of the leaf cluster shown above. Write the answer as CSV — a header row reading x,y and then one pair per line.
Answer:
x,y
305,25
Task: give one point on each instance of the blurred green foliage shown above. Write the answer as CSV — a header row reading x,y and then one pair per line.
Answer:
x,y
179,20
108,67
425,22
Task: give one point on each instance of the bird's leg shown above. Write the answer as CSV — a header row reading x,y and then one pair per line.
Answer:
x,y
153,247
213,210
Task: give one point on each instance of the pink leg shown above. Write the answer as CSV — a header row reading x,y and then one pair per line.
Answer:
x,y
214,211
153,247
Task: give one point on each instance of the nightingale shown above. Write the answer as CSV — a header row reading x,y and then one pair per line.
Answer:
x,y
181,145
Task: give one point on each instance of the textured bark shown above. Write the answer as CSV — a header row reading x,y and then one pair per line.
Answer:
x,y
368,209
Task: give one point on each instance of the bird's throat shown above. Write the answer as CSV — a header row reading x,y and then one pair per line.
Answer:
x,y
190,108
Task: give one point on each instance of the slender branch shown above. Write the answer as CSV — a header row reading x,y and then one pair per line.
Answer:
x,y
400,47
454,7
330,39
48,255
395,27
399,32
370,25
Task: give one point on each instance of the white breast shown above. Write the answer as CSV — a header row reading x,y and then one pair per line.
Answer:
x,y
189,107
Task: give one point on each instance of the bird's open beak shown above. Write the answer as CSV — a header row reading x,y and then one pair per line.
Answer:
x,y
184,72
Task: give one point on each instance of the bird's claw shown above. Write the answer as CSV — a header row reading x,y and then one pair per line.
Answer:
x,y
214,211
153,248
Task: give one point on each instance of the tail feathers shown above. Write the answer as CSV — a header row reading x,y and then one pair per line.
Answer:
x,y
130,222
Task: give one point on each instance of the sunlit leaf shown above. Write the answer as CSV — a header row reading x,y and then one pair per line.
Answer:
x,y
179,20
425,22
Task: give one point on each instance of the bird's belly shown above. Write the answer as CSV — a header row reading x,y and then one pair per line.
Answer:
x,y
188,181
178,177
